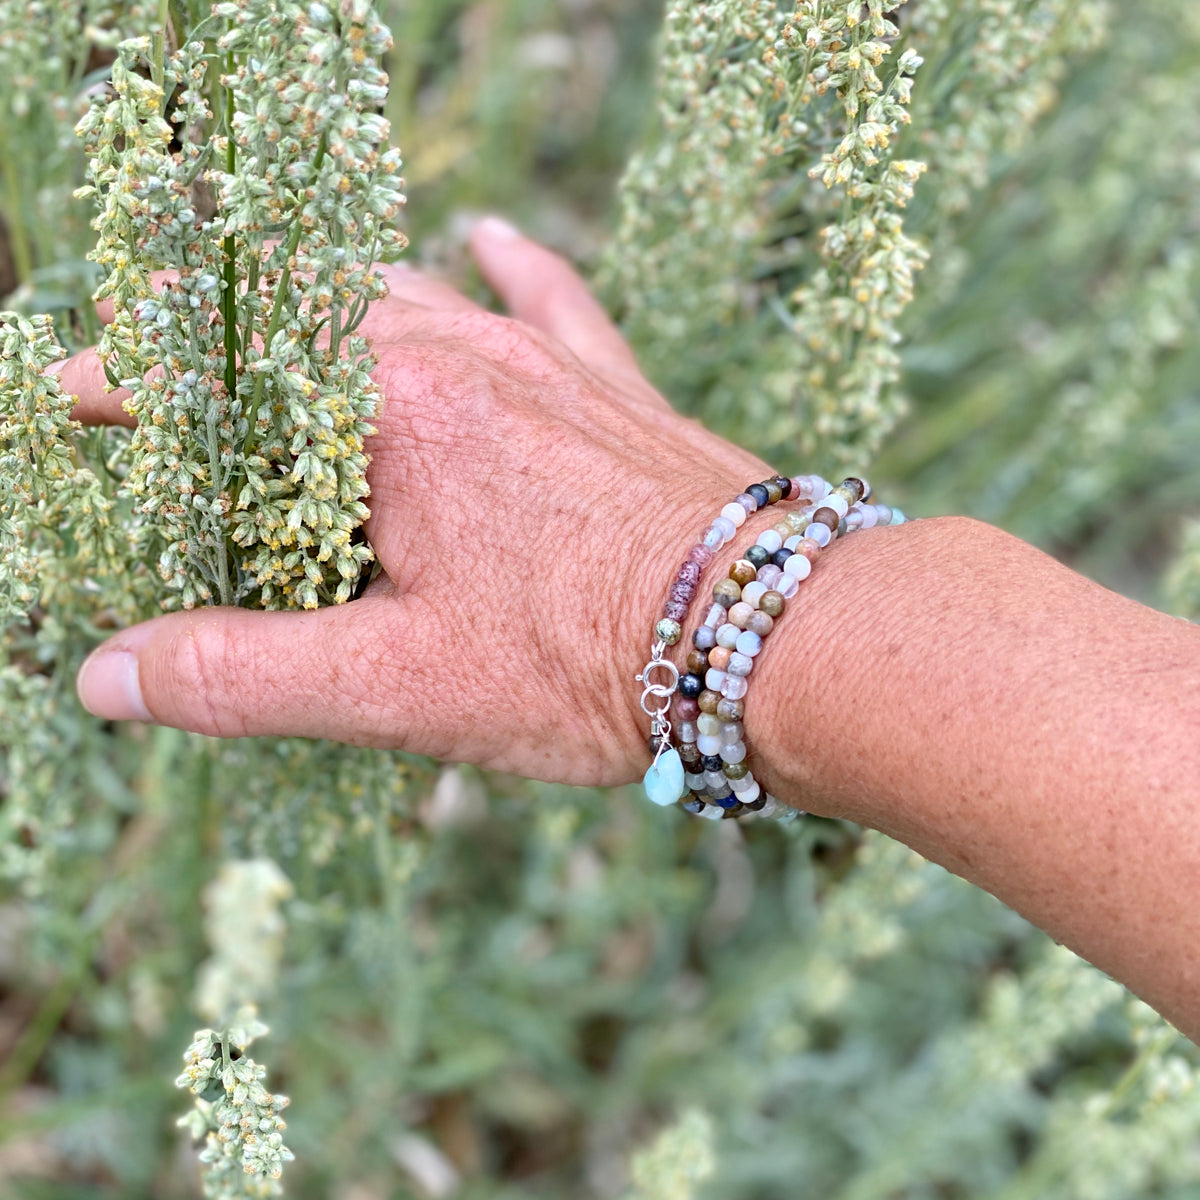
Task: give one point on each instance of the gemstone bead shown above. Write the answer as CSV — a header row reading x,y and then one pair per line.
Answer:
x,y
709,701
690,686
798,567
736,770
884,513
711,812
709,744
784,484
708,724
788,586
727,635
734,754
712,539
690,755
853,519
753,593
664,781
740,614
760,556
735,514
719,657
675,610
770,575
734,687
774,491
772,602
730,710
670,631
727,801
870,518
704,638
838,502
740,664
743,572
797,522
783,529
770,541
701,555
697,662
750,794
821,534
858,487
826,516
759,494
714,680
715,617
790,543
695,781
747,502
761,623
809,548
749,643
727,593
711,762
780,557
732,732
688,731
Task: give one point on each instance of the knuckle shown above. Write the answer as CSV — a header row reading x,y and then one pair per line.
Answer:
x,y
205,672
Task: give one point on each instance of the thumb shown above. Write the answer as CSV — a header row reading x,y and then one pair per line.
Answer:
x,y
542,289
229,672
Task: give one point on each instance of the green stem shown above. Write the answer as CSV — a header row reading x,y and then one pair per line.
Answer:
x,y
229,295
18,235
281,294
38,1034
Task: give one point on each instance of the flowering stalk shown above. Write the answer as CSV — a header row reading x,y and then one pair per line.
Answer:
x,y
258,173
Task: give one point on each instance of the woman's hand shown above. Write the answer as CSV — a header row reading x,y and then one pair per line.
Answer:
x,y
531,498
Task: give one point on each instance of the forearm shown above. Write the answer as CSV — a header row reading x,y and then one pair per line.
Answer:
x,y
1011,720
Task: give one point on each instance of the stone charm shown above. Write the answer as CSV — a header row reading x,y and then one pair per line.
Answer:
x,y
664,781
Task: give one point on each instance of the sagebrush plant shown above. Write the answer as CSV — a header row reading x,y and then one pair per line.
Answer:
x,y
488,989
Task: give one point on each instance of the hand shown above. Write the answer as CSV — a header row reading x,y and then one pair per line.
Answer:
x,y
531,495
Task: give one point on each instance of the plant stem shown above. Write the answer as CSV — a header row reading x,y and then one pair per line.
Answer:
x,y
229,294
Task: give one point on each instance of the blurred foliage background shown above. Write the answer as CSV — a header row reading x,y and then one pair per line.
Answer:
x,y
490,989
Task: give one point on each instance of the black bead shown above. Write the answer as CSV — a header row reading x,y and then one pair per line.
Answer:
x,y
759,804
758,555
690,686
786,484
759,493
781,556
711,762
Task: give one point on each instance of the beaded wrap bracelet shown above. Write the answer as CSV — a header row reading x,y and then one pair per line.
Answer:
x,y
707,773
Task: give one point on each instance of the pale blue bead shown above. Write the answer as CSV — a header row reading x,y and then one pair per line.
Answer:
x,y
714,679
713,539
712,812
664,782
695,782
748,643
732,732
733,754
708,743
770,541
898,518
715,779
726,527
704,638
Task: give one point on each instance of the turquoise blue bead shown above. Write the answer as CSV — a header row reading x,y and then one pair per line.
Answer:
x,y
664,782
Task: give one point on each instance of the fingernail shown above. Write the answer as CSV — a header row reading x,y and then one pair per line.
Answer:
x,y
498,229
109,687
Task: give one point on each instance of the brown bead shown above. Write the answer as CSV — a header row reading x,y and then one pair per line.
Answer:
x,y
771,603
730,710
709,701
690,754
743,572
783,529
856,488
774,491
697,662
761,623
727,593
827,516
810,549
735,770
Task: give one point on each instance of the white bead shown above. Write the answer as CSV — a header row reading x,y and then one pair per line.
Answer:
x,y
853,520
712,812
798,567
735,753
714,680
716,616
688,731
750,794
709,744
734,687
706,724
732,732
754,591
770,575
870,517
695,782
793,541
714,779
821,488
735,513
744,784
837,503
726,528
821,534
728,635
770,541
788,586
